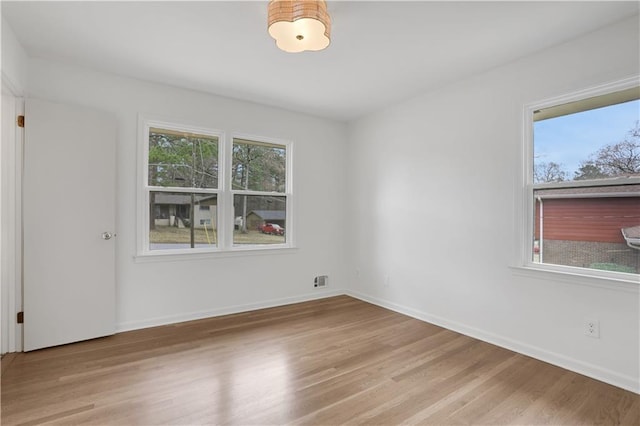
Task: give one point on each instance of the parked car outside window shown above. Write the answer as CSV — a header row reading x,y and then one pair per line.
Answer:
x,y
271,228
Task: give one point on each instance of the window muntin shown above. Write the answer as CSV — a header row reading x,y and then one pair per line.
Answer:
x,y
585,183
200,191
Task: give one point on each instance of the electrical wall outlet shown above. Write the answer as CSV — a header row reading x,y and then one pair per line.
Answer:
x,y
592,328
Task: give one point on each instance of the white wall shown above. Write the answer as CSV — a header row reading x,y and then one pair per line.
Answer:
x,y
14,60
434,183
160,292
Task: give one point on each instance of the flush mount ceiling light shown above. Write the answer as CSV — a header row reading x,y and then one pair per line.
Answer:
x,y
299,25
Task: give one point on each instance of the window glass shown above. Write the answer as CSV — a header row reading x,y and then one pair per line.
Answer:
x,y
586,191
258,166
187,204
183,160
182,220
259,219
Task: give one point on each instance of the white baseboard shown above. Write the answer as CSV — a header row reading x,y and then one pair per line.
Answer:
x,y
173,319
611,377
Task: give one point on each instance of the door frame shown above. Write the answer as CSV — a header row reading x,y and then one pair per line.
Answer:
x,y
11,288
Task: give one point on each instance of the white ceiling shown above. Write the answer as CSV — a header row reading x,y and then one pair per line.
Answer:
x,y
380,52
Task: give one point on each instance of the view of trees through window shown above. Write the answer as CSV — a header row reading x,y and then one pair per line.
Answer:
x,y
178,159
594,144
586,174
258,166
184,190
258,175
182,160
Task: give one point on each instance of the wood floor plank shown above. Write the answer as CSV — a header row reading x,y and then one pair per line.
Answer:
x,y
6,361
511,408
331,361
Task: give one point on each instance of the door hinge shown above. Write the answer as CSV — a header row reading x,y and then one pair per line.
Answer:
x,y
20,121
20,318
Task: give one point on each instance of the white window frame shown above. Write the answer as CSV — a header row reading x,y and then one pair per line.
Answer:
x,y
224,193
525,263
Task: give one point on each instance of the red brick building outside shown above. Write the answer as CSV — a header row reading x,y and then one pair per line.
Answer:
x,y
582,226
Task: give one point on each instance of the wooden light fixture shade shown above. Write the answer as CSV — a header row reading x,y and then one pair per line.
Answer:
x,y
299,25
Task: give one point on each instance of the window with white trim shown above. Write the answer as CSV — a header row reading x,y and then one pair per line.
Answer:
x,y
583,184
202,192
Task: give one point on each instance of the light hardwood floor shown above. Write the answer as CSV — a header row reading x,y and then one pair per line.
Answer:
x,y
332,361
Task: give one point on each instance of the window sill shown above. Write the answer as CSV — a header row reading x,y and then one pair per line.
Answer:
x,y
576,276
161,256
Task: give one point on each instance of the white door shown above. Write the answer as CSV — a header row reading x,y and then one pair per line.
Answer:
x,y
69,212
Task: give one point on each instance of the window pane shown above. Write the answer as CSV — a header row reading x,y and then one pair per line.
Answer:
x,y
259,219
181,220
589,232
589,220
594,144
258,166
182,159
